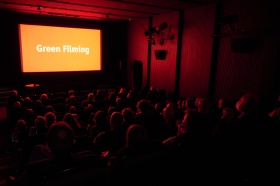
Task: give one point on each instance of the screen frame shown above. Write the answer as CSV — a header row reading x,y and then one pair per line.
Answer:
x,y
61,71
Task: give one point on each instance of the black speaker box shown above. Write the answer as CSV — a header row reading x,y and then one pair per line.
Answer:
x,y
243,45
160,54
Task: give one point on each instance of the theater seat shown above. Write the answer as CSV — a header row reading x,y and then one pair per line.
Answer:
x,y
143,163
75,176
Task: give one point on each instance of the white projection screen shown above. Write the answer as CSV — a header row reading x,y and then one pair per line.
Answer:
x,y
59,49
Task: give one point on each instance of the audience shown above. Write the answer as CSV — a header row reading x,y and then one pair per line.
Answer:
x,y
62,166
249,138
188,151
135,134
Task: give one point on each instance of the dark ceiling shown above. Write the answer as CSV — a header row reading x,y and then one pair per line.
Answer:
x,y
115,10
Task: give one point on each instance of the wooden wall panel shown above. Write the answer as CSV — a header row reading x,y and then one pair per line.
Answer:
x,y
137,48
253,71
163,71
196,51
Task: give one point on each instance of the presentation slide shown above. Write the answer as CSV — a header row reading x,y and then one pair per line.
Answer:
x,y
59,49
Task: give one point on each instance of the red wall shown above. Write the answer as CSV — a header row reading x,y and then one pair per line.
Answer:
x,y
196,51
163,71
208,66
137,48
238,73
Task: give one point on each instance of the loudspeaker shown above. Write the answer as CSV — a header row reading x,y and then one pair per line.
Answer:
x,y
138,73
160,54
244,45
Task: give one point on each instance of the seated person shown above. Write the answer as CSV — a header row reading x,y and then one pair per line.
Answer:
x,y
141,160
60,163
40,126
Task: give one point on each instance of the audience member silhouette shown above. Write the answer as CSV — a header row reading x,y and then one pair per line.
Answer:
x,y
27,102
60,142
110,111
152,95
45,99
190,104
100,124
221,105
122,93
37,135
18,139
120,104
64,167
141,160
128,117
50,118
99,95
75,125
143,92
72,101
170,117
189,151
90,122
16,112
40,126
29,117
19,134
13,97
151,120
245,140
39,108
71,96
111,98
204,106
49,108
131,99
159,108
144,113
109,142
275,115
89,100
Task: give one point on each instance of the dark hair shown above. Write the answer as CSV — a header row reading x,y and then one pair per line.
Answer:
x,y
71,121
128,113
50,118
116,120
136,134
60,139
194,121
49,108
100,117
40,122
143,105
